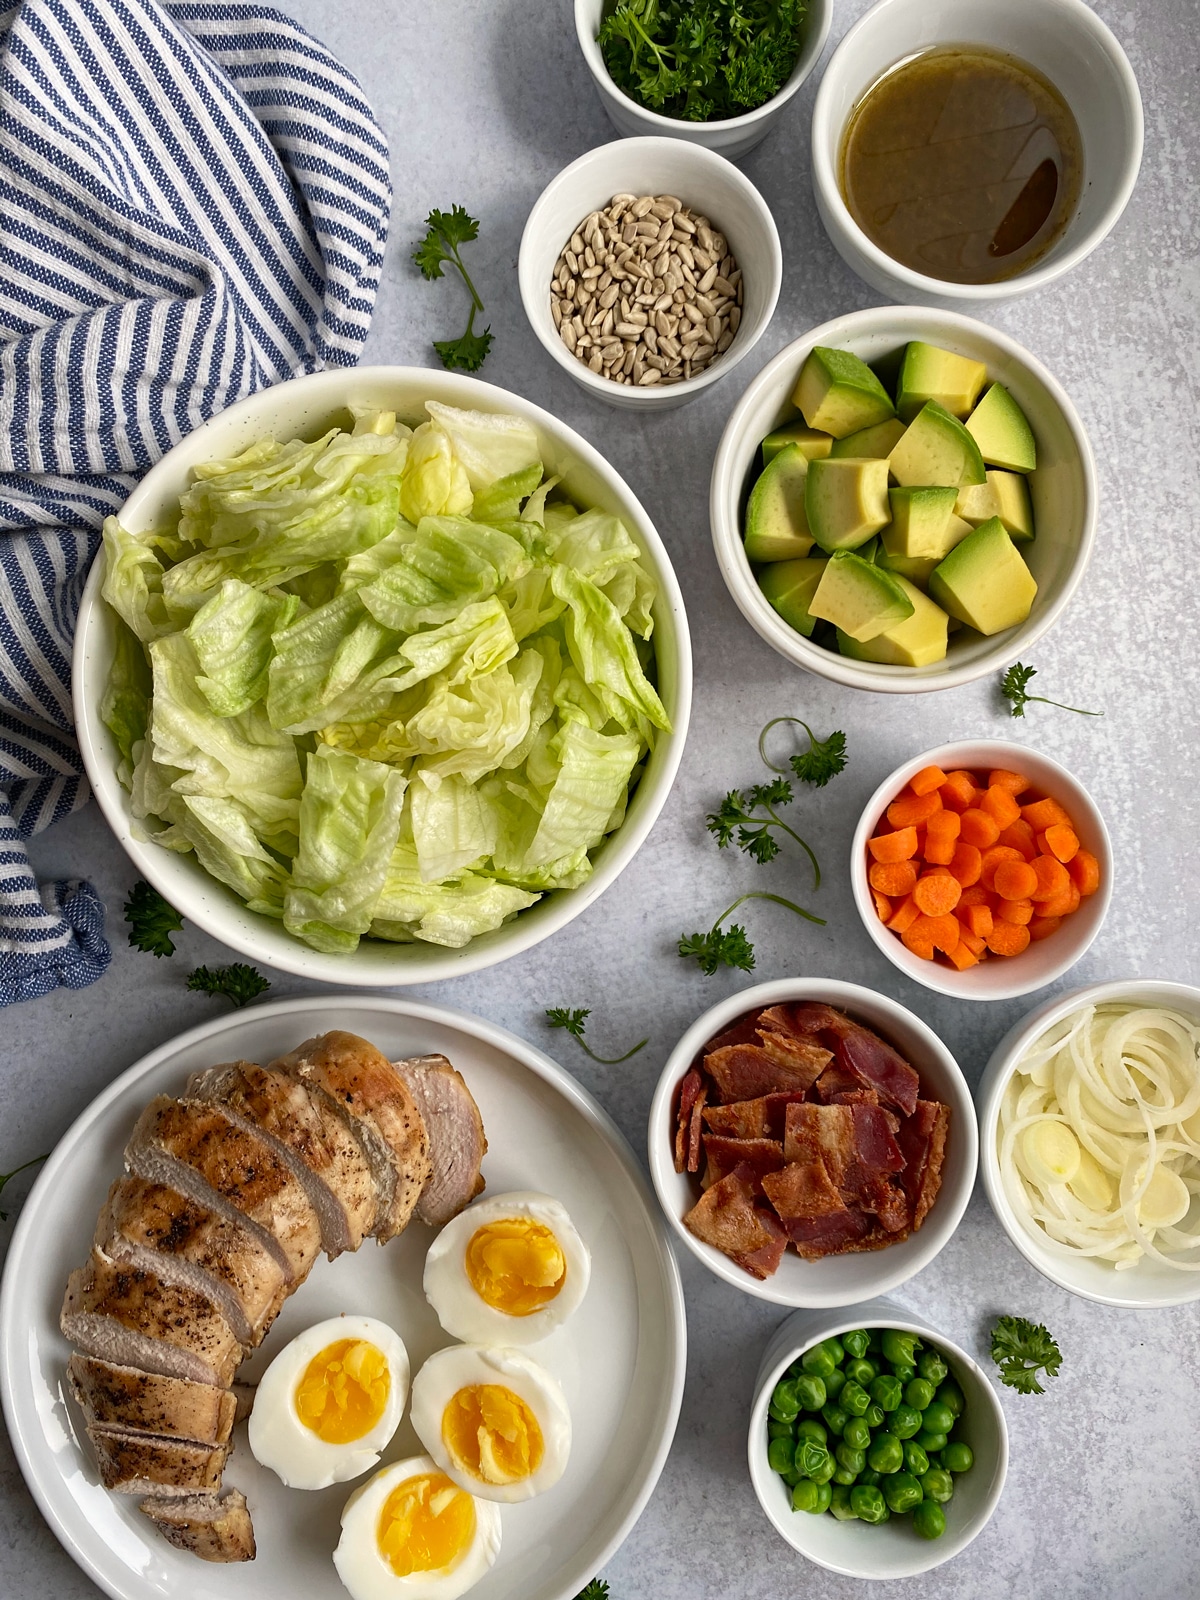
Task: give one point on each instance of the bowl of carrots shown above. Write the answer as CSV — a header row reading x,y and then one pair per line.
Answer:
x,y
982,869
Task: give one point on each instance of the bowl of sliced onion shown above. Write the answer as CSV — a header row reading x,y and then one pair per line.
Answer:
x,y
1089,1141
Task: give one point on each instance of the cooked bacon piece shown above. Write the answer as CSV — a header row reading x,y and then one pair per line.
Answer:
x,y
805,1018
689,1087
726,1155
726,1217
798,1056
922,1139
762,1263
802,1189
696,1129
752,1119
877,1066
743,1031
832,1235
836,1081
876,1237
857,1147
746,1071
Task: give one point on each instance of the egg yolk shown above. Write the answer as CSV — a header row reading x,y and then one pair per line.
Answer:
x,y
426,1525
344,1390
515,1265
492,1434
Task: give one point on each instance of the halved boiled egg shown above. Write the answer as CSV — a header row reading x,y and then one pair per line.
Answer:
x,y
330,1401
507,1270
493,1420
410,1534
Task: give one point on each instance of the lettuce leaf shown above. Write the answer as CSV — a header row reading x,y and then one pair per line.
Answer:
x,y
451,562
603,651
321,670
450,913
471,727
594,544
592,781
231,636
452,825
227,847
133,581
490,446
125,704
435,482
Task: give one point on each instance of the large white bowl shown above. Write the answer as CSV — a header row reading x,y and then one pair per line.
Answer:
x,y
1144,1287
733,136
707,184
1067,42
1064,491
836,1280
892,1549
306,406
998,978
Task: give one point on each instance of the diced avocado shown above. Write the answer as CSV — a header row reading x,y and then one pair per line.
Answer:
x,y
928,373
936,449
920,518
915,568
999,428
1015,507
789,586
860,599
776,526
839,394
880,440
846,501
977,503
984,582
917,641
814,445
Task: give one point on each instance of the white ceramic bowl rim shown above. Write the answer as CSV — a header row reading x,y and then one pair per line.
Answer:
x,y
826,153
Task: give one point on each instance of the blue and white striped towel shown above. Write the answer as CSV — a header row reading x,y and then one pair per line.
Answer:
x,y
194,199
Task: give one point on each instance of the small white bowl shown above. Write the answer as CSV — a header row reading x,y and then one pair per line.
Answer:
x,y
836,1280
998,978
891,1549
305,407
734,136
707,184
1063,489
1067,42
1148,1286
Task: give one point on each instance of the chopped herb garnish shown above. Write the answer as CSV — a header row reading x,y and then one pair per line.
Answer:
x,y
152,920
1012,687
446,230
823,759
735,820
5,1176
1022,1349
729,947
237,982
574,1022
596,1590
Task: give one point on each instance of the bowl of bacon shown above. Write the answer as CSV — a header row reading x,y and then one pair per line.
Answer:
x,y
812,1142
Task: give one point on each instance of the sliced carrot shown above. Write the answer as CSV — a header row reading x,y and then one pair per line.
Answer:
x,y
928,779
896,846
918,937
1007,938
906,810
1061,904
1012,781
937,893
1042,814
1020,836
947,932
959,791
979,920
1052,877
883,906
992,859
978,828
1015,911
941,837
1043,927
961,957
1085,872
999,803
1061,841
975,895
973,942
1013,880
965,864
895,878
905,914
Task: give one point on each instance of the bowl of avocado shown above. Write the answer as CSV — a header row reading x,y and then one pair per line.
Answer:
x,y
904,499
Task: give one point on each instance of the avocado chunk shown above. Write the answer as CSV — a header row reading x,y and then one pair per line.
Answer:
x,y
936,449
846,501
879,441
860,599
977,503
776,526
999,428
839,394
789,586
920,519
814,445
1015,509
928,373
915,568
983,581
917,641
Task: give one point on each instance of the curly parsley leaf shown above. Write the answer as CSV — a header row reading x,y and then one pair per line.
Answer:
x,y
1014,688
735,821
823,759
1022,1349
468,353
575,1022
5,1176
729,947
596,1590
152,920
236,982
445,231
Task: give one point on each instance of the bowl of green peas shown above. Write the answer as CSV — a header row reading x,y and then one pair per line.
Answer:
x,y
877,1447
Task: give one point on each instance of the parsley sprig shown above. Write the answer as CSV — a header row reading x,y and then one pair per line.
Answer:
x,y
596,1590
1013,688
735,819
237,982
5,1176
823,759
575,1022
446,230
152,920
1022,1349
729,947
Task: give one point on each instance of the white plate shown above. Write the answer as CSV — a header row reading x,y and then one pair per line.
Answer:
x,y
620,1359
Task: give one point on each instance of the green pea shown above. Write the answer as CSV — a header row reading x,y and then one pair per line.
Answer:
x,y
809,1455
885,1453
862,1371
810,1392
825,1471
791,1477
902,1492
915,1459
905,1372
868,1503
931,1364
952,1397
853,1460
873,1415
834,1382
929,1520
874,1339
845,1477
795,1370
958,1457
818,1361
779,1430
835,1418
930,1441
810,1428
806,1496
784,1402
918,1393
836,1348
839,1502
870,1477
824,1496
857,1433
900,1348
886,1391
939,1418
938,1485
781,1454
856,1343
905,1421
854,1398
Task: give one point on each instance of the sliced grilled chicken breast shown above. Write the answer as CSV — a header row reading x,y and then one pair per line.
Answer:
x,y
457,1144
129,1316
324,1156
145,1402
371,1097
199,1149
214,1530
185,1242
140,1463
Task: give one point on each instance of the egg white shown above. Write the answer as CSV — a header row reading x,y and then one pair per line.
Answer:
x,y
366,1572
464,1365
453,1296
281,1441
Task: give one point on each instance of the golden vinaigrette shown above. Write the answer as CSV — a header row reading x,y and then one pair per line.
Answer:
x,y
344,1390
426,1525
492,1434
515,1265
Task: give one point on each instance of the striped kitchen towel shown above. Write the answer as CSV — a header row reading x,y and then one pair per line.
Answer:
x,y
194,200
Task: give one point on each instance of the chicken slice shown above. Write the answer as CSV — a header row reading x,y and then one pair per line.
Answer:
x,y
214,1530
457,1143
146,1402
140,1463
